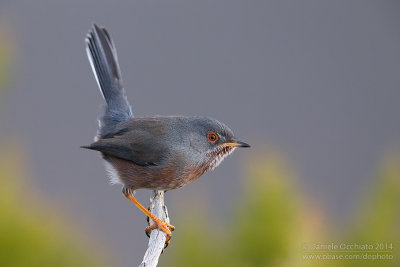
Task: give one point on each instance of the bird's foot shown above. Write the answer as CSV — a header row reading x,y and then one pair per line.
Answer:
x,y
162,226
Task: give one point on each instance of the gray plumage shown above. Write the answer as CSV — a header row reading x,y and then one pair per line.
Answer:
x,y
104,62
158,152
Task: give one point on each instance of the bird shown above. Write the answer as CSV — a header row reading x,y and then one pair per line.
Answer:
x,y
154,152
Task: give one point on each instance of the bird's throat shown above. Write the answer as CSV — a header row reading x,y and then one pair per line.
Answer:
x,y
216,156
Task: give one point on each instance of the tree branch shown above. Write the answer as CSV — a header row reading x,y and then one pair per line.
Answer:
x,y
157,237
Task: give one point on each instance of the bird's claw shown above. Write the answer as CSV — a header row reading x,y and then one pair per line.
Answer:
x,y
162,226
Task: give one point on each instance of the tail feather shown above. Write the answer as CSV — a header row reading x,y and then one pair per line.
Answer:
x,y
103,59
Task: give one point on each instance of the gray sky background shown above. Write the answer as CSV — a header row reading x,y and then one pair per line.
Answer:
x,y
316,80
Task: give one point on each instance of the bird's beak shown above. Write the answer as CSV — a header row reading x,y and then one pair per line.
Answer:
x,y
234,143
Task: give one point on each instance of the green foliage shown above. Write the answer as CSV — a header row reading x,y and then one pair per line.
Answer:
x,y
381,211
378,221
261,233
271,222
266,220
29,234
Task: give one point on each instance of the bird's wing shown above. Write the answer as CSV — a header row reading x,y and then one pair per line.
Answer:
x,y
137,146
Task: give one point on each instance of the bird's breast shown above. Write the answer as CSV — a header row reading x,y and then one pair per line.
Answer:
x,y
167,177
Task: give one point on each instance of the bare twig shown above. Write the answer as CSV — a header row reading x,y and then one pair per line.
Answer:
x,y
157,237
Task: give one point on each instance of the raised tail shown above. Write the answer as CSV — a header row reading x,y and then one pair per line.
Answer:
x,y
104,62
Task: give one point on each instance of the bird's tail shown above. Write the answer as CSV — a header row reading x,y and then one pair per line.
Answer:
x,y
104,62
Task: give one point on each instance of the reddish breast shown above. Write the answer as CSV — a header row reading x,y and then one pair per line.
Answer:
x,y
151,177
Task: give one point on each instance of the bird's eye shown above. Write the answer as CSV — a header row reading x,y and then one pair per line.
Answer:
x,y
212,137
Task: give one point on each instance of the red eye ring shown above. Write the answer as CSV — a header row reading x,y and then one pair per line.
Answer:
x,y
212,137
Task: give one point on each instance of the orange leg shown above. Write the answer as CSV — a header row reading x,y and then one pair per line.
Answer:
x,y
163,226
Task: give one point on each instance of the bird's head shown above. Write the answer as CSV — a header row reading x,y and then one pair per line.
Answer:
x,y
210,141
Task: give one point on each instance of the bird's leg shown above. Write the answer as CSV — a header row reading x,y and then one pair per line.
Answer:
x,y
163,226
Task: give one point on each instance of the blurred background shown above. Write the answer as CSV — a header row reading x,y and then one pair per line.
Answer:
x,y
313,86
